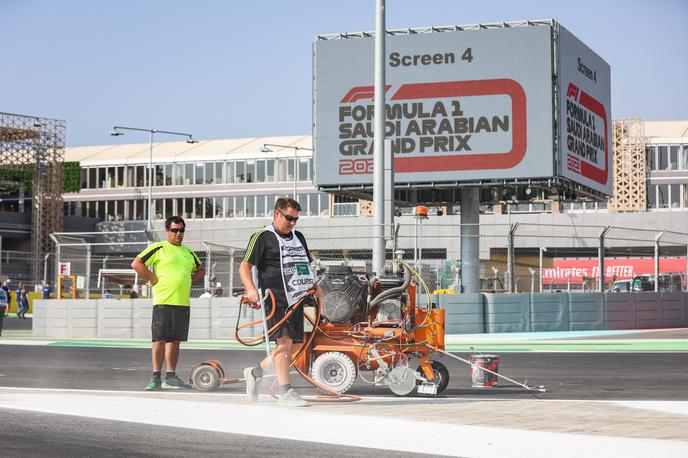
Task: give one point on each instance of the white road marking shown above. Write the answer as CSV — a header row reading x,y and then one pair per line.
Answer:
x,y
316,425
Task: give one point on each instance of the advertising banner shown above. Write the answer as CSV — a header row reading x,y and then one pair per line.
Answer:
x,y
585,123
461,105
621,269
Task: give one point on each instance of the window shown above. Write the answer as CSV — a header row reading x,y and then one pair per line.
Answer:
x,y
685,157
84,178
229,175
229,211
179,174
250,171
675,194
673,157
187,211
324,204
662,196
250,206
169,174
270,173
651,160
261,209
188,175
209,172
159,175
219,207
140,176
169,208
159,208
120,177
310,169
282,169
129,210
651,196
198,207
131,176
345,206
100,210
92,178
101,177
685,194
219,172
663,158
313,204
303,169
290,169
198,178
240,169
111,177
239,207
260,171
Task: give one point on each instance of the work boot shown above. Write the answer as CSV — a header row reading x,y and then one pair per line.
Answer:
x,y
251,384
175,383
292,399
154,385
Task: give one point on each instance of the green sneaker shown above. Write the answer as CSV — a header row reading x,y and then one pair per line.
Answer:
x,y
292,399
154,385
251,384
175,383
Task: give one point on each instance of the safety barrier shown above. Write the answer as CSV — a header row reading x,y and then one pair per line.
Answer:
x,y
465,314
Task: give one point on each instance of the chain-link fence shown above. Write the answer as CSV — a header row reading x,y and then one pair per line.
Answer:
x,y
512,258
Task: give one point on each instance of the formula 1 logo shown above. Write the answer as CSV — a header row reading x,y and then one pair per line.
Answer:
x,y
586,137
432,130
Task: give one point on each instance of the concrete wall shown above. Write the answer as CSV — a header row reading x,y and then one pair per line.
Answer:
x,y
465,314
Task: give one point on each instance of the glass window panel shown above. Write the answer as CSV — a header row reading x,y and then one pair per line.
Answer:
x,y
140,176
270,170
302,199
129,210
240,207
178,174
101,177
100,209
188,174
119,210
169,208
131,176
310,169
250,171
209,172
260,171
282,169
685,195
208,206
188,208
159,175
240,169
685,157
219,207
84,178
120,176
290,170
313,204
651,196
250,206
662,196
675,195
229,211
260,206
229,174
673,157
324,204
159,208
92,178
602,205
219,172
650,152
111,177
303,169
169,176
663,157
198,178
198,207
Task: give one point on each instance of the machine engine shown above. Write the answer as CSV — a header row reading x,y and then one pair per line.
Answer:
x,y
343,294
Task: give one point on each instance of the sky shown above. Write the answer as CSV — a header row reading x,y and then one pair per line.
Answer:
x,y
240,69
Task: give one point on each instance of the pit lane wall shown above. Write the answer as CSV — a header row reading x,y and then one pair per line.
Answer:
x,y
215,318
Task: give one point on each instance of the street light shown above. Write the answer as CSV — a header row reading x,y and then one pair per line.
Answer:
x,y
117,131
265,149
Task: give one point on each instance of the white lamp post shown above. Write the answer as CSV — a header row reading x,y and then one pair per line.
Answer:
x,y
117,130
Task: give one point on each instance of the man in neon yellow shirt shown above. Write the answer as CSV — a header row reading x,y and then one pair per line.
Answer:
x,y
175,267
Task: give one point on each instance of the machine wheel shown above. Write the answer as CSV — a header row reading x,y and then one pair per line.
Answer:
x,y
335,370
205,378
441,376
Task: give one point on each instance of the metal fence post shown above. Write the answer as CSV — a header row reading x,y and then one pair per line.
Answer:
x,y
87,282
542,250
600,255
657,238
510,257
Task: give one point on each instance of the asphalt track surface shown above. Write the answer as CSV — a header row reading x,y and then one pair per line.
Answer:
x,y
578,376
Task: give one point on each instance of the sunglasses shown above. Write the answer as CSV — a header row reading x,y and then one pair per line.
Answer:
x,y
291,219
175,230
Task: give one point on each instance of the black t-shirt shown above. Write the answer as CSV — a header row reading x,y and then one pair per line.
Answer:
x,y
263,251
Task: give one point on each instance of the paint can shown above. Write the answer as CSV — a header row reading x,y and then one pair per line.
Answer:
x,y
481,378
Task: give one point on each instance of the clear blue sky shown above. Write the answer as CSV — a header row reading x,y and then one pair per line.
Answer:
x,y
223,69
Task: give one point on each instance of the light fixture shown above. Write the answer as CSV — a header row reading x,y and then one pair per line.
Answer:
x,y
265,149
529,191
191,140
116,133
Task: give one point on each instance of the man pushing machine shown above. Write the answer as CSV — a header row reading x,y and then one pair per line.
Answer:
x,y
282,259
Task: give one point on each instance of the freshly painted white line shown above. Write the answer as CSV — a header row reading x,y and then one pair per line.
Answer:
x,y
316,425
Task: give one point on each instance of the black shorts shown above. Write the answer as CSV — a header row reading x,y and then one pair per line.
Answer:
x,y
170,323
293,327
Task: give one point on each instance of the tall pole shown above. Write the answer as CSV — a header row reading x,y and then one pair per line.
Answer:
x,y
150,182
379,141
